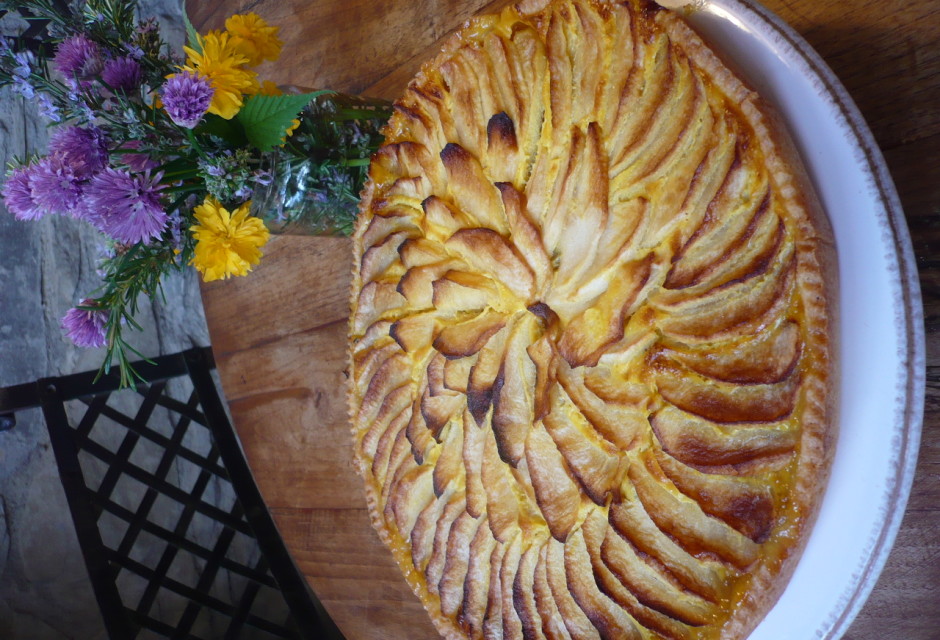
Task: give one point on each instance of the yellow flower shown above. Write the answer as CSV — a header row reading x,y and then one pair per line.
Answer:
x,y
269,88
290,130
254,38
223,65
227,244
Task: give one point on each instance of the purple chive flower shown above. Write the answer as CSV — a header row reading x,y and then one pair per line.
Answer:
x,y
125,206
78,57
56,186
84,148
138,162
18,195
122,74
186,97
86,326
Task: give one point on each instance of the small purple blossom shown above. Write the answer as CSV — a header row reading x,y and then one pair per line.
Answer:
x,y
85,325
79,105
186,98
122,74
215,170
134,51
78,57
24,62
47,108
262,177
126,207
18,195
56,186
23,87
84,148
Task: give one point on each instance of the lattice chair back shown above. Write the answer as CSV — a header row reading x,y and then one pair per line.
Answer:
x,y
34,35
176,538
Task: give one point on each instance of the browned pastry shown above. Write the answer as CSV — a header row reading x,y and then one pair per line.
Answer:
x,y
591,332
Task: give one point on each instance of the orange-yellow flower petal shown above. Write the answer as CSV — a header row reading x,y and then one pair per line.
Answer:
x,y
269,88
223,65
254,38
290,130
227,244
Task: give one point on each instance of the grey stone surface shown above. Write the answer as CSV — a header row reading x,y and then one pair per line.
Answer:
x,y
47,267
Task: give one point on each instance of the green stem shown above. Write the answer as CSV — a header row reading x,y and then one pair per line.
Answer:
x,y
180,175
195,144
184,188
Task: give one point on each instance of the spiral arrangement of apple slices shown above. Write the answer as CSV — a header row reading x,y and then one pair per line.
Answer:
x,y
589,334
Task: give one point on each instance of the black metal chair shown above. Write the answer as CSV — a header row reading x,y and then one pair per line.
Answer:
x,y
174,532
33,37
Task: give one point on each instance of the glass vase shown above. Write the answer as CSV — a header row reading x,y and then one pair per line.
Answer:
x,y
311,184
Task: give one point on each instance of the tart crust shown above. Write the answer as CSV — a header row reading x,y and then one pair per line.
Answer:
x,y
591,333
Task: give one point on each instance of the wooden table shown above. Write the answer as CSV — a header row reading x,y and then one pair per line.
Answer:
x,y
279,335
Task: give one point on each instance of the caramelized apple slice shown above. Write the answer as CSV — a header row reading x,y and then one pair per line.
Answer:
x,y
476,585
415,333
474,439
450,586
461,291
707,578
483,374
488,252
377,301
608,618
466,338
512,625
502,502
553,626
746,504
434,568
523,591
724,401
697,441
449,469
513,403
422,533
685,521
595,463
471,190
576,620
556,492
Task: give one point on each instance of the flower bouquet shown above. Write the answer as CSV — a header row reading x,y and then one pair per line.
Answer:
x,y
179,159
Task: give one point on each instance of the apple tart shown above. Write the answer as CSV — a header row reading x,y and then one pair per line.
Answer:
x,y
591,333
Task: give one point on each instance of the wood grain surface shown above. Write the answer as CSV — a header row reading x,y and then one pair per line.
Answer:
x,y
279,335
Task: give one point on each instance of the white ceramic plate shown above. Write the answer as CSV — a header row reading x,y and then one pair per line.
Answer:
x,y
881,353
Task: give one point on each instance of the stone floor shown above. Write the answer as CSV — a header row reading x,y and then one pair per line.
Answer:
x,y
46,268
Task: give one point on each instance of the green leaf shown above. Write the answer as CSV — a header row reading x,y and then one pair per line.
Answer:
x,y
191,35
231,131
267,118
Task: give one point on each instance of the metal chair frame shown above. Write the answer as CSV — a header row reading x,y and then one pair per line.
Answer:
x,y
249,516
